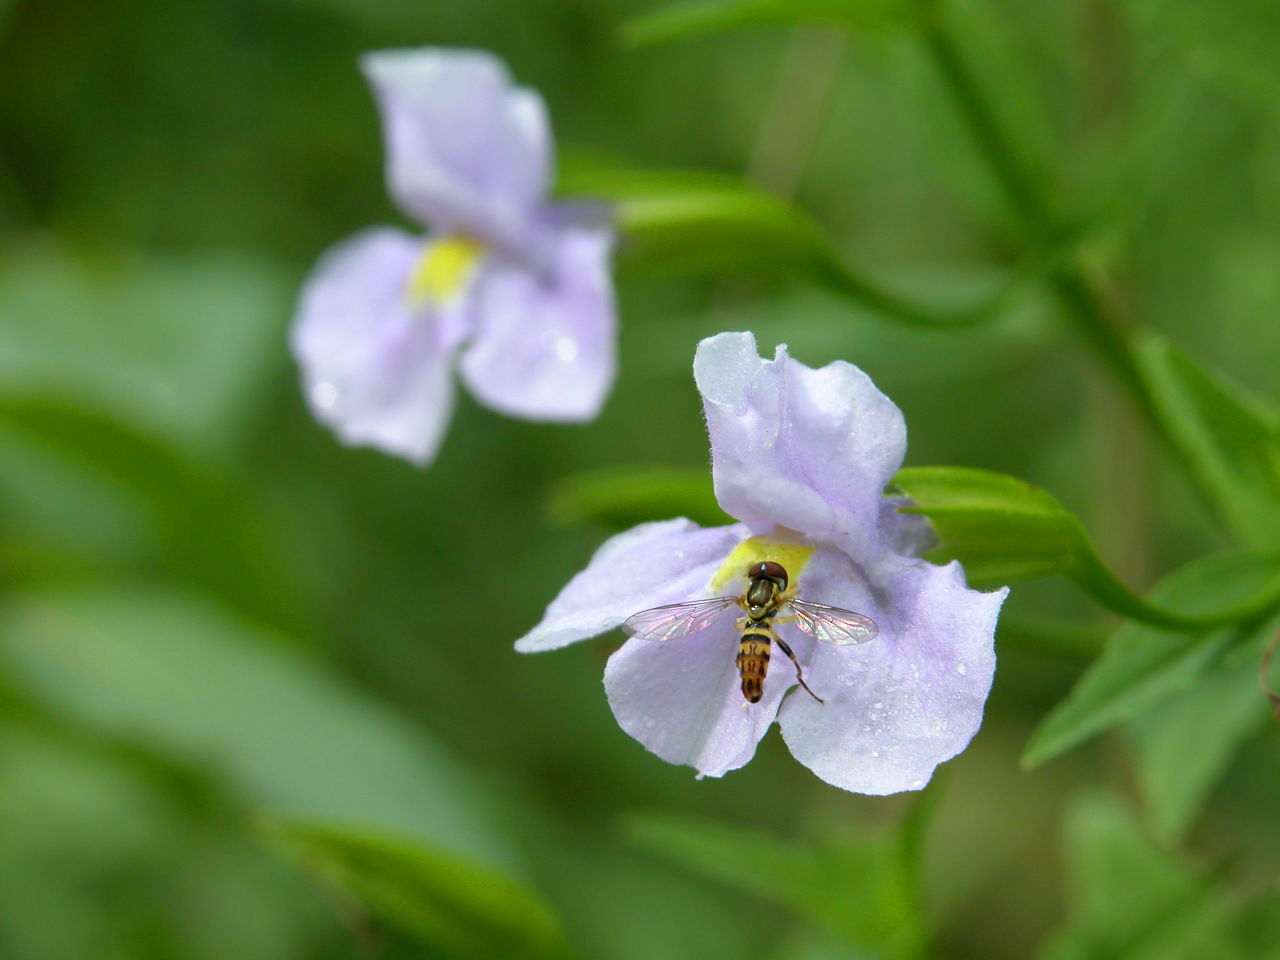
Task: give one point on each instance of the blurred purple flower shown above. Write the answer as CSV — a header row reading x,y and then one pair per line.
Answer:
x,y
801,458
516,288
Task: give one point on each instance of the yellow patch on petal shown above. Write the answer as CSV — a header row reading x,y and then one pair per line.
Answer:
x,y
731,576
444,269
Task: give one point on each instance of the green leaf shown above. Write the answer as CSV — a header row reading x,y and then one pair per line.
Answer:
x,y
693,222
205,522
321,761
448,901
1183,746
698,223
177,346
1143,666
1129,898
692,19
1001,529
622,497
814,879
1230,441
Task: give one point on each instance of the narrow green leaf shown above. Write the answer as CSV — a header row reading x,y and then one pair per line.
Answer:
x,y
1001,529
205,523
179,675
1183,746
439,898
1144,665
682,21
1230,441
697,223
171,345
622,497
692,222
814,879
1129,898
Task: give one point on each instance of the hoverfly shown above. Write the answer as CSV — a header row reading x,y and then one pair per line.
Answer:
x,y
765,596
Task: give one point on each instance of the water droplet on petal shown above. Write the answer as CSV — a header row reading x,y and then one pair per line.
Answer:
x,y
324,395
566,349
961,669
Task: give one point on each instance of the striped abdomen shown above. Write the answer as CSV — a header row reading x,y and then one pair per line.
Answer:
x,y
753,658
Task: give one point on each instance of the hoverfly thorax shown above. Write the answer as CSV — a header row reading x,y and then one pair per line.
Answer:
x,y
759,598
766,582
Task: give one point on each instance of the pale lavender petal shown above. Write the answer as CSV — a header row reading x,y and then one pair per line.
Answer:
x,y
545,342
901,704
467,152
907,534
809,450
374,370
647,566
682,698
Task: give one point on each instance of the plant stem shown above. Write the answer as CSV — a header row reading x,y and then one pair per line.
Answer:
x,y
1089,311
1021,193
794,119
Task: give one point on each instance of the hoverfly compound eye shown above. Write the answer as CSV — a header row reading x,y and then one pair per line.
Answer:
x,y
771,570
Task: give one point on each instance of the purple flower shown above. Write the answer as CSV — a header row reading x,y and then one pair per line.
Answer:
x,y
801,458
516,289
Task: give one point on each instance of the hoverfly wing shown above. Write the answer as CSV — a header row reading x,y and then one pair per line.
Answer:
x,y
676,619
832,624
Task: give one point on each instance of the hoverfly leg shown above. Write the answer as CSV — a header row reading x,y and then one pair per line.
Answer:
x,y
782,645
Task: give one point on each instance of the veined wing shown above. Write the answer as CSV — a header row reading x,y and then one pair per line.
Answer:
x,y
832,624
676,619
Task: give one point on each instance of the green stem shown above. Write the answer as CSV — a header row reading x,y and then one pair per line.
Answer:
x,y
1093,318
1090,574
848,282
1020,191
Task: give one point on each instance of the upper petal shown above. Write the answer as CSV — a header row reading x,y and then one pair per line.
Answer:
x,y
545,342
809,450
913,697
647,566
374,369
466,150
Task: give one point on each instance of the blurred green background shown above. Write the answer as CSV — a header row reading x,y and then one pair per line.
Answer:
x,y
257,692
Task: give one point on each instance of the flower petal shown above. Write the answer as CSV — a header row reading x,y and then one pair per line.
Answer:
x,y
913,697
809,450
544,346
682,698
467,152
375,370
647,566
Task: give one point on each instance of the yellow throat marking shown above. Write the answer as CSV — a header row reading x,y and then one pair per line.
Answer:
x,y
792,556
443,270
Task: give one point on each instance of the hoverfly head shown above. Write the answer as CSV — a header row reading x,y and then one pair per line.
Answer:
x,y
769,570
